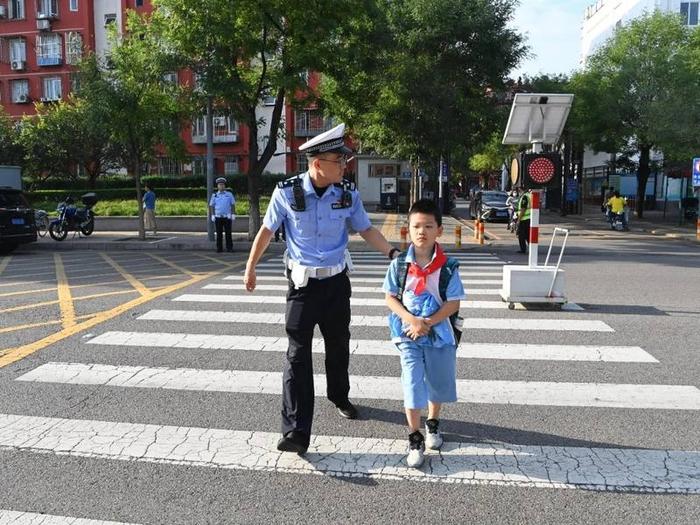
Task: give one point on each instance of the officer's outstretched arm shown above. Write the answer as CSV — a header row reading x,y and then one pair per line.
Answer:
x,y
376,240
260,244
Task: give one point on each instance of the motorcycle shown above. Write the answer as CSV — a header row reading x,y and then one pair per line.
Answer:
x,y
72,218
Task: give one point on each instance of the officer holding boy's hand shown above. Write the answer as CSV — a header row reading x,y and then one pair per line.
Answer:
x,y
315,209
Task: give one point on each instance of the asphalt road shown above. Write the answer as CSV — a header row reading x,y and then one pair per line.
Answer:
x,y
95,443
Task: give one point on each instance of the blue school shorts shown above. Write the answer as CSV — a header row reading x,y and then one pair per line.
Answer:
x,y
428,374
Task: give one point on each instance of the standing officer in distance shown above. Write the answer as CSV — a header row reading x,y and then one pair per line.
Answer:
x,y
222,209
315,208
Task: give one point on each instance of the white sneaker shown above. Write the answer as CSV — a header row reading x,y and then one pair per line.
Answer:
x,y
433,436
416,447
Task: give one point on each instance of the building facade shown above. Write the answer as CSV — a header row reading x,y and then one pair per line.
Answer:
x,y
600,21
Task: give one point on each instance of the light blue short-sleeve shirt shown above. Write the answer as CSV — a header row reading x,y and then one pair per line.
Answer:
x,y
317,236
222,202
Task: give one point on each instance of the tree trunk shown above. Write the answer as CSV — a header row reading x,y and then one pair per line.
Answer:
x,y
136,170
642,178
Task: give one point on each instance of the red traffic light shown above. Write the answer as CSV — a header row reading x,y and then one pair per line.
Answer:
x,y
540,169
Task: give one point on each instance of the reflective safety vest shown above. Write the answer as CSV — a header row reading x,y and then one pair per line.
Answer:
x,y
528,198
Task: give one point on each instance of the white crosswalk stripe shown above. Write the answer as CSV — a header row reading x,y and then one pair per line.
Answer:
x,y
11,517
216,316
668,397
616,354
236,331
634,470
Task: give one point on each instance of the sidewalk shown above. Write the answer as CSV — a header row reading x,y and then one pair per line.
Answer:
x,y
652,223
388,223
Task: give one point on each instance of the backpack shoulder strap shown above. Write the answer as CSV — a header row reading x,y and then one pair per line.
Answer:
x,y
446,274
402,273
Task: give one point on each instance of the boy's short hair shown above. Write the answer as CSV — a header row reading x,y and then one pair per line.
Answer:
x,y
428,207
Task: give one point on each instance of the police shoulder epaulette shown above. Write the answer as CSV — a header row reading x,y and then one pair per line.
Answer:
x,y
288,183
346,185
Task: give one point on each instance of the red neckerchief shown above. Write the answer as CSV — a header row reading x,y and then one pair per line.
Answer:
x,y
422,273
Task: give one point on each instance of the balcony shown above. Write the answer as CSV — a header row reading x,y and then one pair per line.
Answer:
x,y
49,61
218,139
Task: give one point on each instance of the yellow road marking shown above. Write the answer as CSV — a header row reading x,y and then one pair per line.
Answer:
x,y
133,281
41,290
65,300
28,306
173,265
45,323
81,298
228,265
3,264
12,355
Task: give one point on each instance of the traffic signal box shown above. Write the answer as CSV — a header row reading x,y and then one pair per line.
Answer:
x,y
535,170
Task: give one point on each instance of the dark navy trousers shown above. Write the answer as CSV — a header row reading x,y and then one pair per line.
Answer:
x,y
326,303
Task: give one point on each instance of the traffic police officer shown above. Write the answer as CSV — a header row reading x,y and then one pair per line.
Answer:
x,y
316,208
523,228
222,207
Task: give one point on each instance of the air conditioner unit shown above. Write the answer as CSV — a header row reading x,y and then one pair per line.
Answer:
x,y
18,65
43,24
22,99
3,11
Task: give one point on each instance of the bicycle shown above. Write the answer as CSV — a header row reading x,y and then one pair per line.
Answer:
x,y
41,219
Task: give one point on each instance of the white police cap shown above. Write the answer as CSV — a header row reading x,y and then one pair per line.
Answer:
x,y
221,179
331,141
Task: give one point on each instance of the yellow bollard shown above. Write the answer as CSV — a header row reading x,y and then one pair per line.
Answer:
x,y
481,232
697,232
476,229
458,236
404,236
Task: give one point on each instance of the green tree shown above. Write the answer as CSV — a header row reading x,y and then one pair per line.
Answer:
x,y
639,92
11,152
491,155
141,111
252,49
424,94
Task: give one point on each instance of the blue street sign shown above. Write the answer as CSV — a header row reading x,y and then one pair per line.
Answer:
x,y
405,175
696,171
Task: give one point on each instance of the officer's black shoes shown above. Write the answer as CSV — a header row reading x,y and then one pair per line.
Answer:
x,y
347,410
294,441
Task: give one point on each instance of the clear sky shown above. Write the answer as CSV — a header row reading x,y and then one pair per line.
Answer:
x,y
553,31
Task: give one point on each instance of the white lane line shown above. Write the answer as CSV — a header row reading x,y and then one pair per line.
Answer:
x,y
604,469
539,393
280,299
358,289
13,517
215,316
615,354
385,265
487,272
365,280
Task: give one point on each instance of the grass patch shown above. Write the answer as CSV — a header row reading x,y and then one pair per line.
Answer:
x,y
164,207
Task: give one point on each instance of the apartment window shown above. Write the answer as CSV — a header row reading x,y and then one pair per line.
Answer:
x,y
689,13
73,5
302,163
20,91
377,171
74,82
311,122
230,165
170,78
139,3
168,166
16,9
74,47
52,88
18,50
110,18
48,8
48,49
199,166
225,128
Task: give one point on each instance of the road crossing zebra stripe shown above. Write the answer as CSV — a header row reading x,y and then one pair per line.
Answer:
x,y
358,289
216,316
617,354
487,272
539,393
604,469
13,517
280,299
365,267
365,280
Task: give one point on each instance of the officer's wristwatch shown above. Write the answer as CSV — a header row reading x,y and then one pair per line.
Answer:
x,y
391,253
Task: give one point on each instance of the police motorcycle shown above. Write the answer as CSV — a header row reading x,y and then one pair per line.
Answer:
x,y
71,218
